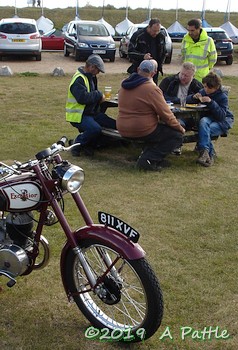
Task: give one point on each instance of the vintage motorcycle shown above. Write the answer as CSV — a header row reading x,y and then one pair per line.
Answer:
x,y
103,268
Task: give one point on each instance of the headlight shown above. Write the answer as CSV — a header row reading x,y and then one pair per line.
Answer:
x,y
71,176
111,46
73,179
82,45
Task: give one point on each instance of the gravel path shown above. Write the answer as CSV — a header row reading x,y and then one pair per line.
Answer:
x,y
51,60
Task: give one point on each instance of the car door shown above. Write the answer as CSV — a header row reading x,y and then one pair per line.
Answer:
x,y
71,37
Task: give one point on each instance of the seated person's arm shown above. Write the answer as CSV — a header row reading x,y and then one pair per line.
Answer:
x,y
164,86
82,95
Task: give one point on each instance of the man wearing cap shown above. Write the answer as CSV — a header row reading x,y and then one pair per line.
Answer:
x,y
144,115
83,104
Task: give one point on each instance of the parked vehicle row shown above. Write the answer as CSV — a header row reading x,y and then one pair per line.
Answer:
x,y
20,36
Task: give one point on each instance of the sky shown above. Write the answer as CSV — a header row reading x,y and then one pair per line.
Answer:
x,y
195,5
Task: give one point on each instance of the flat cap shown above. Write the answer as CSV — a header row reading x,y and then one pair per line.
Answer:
x,y
147,66
97,61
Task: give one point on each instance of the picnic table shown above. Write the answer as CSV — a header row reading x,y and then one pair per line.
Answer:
x,y
191,114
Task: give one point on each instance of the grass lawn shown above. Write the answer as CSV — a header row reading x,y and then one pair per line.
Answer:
x,y
187,217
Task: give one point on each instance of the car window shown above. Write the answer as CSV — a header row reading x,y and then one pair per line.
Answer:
x,y
163,31
17,28
131,30
92,30
217,36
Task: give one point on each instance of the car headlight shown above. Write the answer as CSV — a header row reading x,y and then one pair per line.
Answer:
x,y
82,45
111,46
73,179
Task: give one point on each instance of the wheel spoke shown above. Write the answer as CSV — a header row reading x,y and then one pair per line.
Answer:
x,y
131,308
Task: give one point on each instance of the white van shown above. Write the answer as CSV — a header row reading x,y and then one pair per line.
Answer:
x,y
19,36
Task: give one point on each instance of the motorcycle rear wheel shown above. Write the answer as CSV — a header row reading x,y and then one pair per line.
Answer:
x,y
128,301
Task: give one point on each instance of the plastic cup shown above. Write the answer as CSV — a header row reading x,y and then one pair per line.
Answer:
x,y
108,92
183,101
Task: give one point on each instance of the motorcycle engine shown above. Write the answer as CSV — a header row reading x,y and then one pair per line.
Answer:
x,y
15,231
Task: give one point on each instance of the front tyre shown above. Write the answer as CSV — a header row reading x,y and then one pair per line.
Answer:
x,y
66,52
127,297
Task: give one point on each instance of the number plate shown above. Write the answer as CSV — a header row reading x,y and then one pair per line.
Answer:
x,y
99,51
18,40
119,225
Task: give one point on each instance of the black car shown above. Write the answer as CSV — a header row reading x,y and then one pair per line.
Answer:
x,y
224,45
83,38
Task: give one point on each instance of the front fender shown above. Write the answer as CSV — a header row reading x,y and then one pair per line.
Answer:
x,y
112,238
106,235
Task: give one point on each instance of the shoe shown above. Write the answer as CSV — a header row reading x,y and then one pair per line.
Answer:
x,y
211,161
204,159
79,150
152,165
147,165
177,151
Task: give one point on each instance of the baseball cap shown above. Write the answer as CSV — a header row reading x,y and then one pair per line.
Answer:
x,y
97,61
147,66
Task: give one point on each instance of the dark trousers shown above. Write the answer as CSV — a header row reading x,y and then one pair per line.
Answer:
x,y
90,128
161,142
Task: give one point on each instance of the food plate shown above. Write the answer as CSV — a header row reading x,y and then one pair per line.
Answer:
x,y
195,105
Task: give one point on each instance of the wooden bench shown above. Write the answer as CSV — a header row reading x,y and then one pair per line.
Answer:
x,y
190,136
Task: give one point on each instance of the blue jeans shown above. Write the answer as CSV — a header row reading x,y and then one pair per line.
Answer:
x,y
207,129
90,128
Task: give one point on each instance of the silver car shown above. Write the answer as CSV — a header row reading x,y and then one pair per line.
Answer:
x,y
124,43
19,36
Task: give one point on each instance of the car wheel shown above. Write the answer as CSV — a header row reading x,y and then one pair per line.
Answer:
x,y
168,60
38,57
77,55
66,52
112,59
229,61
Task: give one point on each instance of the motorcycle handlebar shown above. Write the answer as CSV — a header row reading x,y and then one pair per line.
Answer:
x,y
54,149
62,141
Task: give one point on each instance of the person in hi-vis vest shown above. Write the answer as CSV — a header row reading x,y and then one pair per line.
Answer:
x,y
197,47
82,106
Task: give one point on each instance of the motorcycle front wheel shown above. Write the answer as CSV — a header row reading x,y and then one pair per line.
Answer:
x,y
127,300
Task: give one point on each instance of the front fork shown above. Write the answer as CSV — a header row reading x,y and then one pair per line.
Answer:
x,y
93,281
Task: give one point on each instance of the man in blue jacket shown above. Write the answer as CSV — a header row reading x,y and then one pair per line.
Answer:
x,y
216,120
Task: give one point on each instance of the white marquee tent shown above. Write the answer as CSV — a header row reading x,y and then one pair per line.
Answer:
x,y
122,27
231,30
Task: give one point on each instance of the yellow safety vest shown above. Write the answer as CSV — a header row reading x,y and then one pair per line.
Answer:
x,y
74,110
202,54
